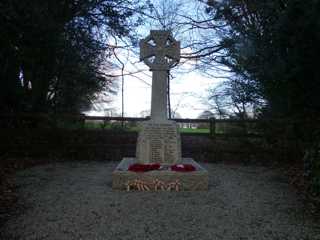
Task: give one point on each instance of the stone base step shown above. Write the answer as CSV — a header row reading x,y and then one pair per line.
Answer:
x,y
157,180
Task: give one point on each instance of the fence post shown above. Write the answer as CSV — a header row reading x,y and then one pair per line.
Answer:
x,y
212,127
82,119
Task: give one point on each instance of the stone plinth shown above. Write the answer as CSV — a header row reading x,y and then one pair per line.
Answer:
x,y
159,142
190,181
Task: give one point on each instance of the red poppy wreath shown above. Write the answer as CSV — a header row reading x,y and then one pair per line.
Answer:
x,y
183,168
139,167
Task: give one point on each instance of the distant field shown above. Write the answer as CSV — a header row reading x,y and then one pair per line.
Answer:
x,y
117,126
194,130
133,127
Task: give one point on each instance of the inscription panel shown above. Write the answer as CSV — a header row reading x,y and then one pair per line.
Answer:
x,y
159,142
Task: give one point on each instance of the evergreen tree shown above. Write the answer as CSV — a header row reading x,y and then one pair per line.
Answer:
x,y
52,53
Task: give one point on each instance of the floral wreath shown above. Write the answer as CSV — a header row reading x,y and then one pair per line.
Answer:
x,y
183,168
140,167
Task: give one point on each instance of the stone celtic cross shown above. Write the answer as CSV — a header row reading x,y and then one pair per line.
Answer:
x,y
160,51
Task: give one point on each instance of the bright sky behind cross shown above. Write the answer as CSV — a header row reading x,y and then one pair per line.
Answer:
x,y
188,87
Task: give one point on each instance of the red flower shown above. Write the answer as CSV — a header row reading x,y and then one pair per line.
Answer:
x,y
183,168
139,167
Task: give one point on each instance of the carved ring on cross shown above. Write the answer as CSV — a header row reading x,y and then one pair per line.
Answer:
x,y
160,51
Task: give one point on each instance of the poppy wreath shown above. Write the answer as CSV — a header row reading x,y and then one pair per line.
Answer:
x,y
139,167
183,168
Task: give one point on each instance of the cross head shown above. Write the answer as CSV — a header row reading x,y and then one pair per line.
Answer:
x,y
160,51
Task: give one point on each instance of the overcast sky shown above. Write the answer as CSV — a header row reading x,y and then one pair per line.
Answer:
x,y
189,88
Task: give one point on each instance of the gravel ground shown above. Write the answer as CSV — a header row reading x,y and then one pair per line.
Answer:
x,y
75,201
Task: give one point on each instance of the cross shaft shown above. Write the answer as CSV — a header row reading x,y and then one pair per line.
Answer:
x,y
160,51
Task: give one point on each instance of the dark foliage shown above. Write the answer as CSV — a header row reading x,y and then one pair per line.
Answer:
x,y
52,52
272,47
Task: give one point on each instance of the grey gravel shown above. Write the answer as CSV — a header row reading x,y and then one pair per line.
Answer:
x,y
74,200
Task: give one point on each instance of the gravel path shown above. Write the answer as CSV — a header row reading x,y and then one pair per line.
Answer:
x,y
75,201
